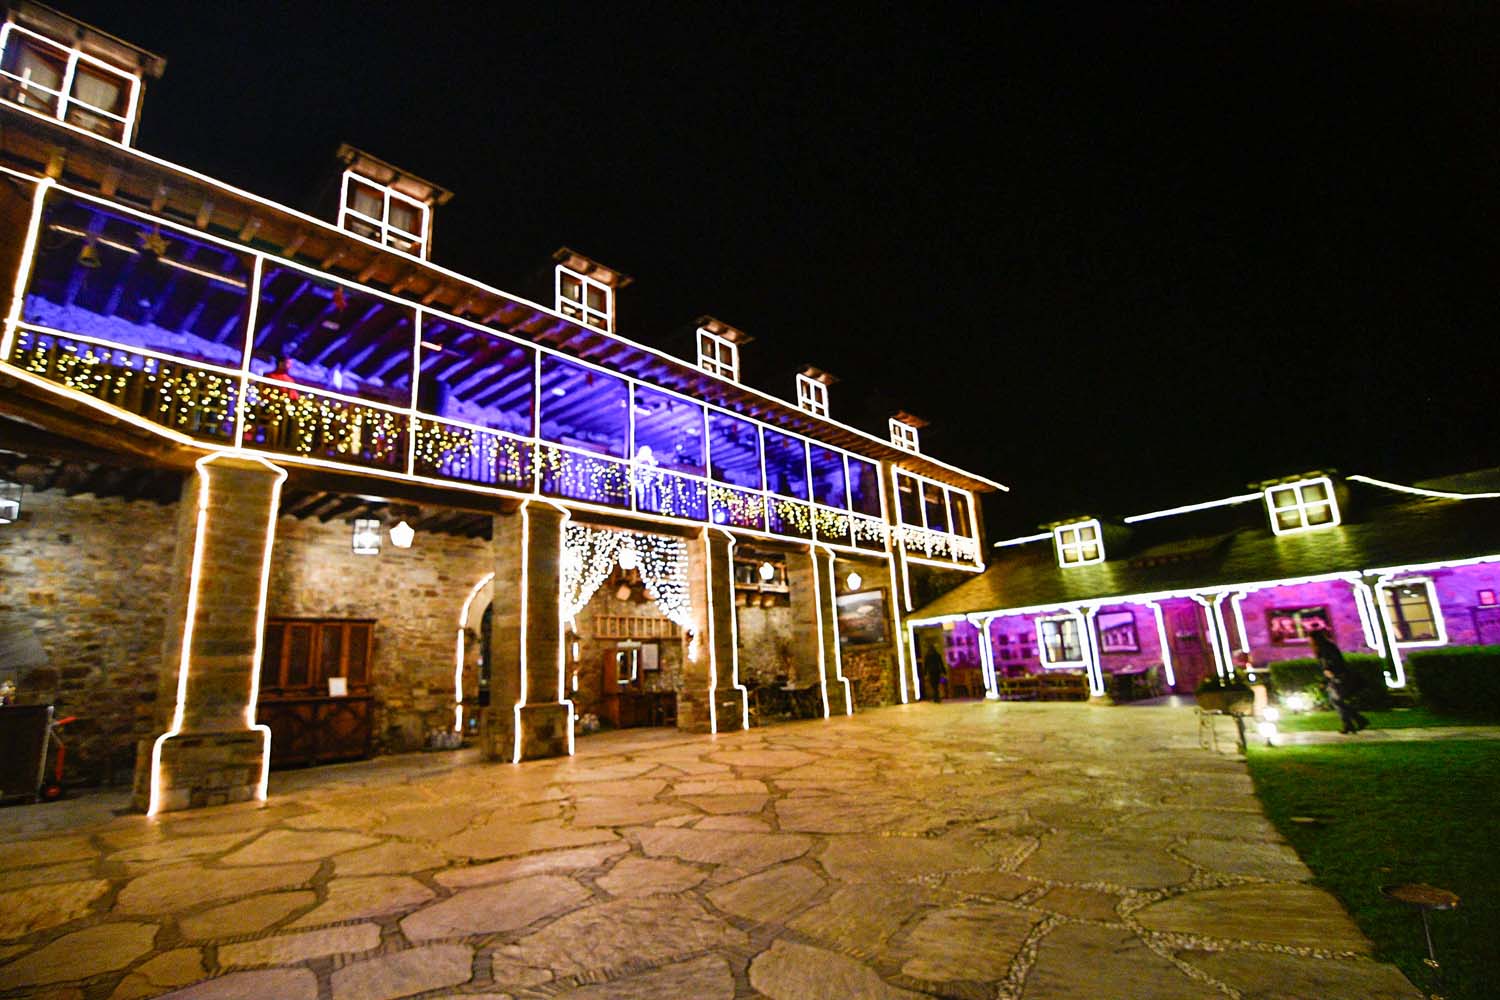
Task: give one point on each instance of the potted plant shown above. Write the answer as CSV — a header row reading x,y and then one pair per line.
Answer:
x,y
1219,694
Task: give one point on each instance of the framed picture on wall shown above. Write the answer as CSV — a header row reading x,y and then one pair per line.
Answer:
x,y
862,618
1117,632
1289,626
650,656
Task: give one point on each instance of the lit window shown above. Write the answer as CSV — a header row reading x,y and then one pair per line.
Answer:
x,y
580,297
1301,506
718,356
1060,640
903,435
66,84
1078,544
384,215
1412,610
812,396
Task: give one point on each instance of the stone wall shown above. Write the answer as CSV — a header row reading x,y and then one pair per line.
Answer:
x,y
873,671
413,594
765,636
83,583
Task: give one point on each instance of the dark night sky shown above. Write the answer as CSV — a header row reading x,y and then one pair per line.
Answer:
x,y
1121,256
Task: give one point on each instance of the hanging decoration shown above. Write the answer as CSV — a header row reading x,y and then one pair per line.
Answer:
x,y
590,555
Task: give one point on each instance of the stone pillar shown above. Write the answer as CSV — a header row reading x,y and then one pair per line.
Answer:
x,y
210,751
712,699
838,697
526,645
803,603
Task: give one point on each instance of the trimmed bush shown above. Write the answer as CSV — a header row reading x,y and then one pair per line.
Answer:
x,y
1306,675
1458,680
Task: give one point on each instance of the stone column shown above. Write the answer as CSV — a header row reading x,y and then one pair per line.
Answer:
x,y
526,646
711,699
210,751
839,699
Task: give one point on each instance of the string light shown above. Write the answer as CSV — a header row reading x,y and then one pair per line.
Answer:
x,y
472,455
590,555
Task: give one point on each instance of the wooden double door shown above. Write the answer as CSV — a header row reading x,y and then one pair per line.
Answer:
x,y
315,689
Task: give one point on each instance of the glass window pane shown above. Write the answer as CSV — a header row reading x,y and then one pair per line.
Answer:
x,y
572,288
909,500
1283,497
958,509
1318,513
937,506
668,432
37,67
864,486
733,450
598,299
786,464
100,273
319,333
367,200
475,376
583,408
829,487
1314,491
405,217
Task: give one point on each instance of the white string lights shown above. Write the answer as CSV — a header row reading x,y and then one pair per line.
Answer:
x,y
590,555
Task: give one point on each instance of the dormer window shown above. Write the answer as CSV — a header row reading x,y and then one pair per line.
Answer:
x,y
384,215
903,435
718,355
66,83
1302,506
1078,544
812,395
584,299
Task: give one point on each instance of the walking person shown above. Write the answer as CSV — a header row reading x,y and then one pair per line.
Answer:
x,y
1339,681
932,674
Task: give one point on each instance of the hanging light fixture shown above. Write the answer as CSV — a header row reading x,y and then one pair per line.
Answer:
x,y
767,572
853,580
402,535
10,501
367,536
629,559
88,254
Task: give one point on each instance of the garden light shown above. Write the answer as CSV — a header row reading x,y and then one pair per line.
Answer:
x,y
1298,702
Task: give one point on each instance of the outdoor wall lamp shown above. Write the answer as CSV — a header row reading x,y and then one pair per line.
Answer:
x,y
367,536
10,501
767,572
402,535
853,581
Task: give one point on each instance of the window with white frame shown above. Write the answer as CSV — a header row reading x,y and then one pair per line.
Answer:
x,y
383,214
903,435
1302,505
1411,607
1078,544
583,298
72,86
718,356
812,395
1061,640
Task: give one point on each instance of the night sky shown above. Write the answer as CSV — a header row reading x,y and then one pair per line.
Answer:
x,y
1121,256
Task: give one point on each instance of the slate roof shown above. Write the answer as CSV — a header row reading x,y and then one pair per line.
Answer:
x,y
1227,545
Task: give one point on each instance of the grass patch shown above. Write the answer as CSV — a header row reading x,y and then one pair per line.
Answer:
x,y
1419,717
1400,812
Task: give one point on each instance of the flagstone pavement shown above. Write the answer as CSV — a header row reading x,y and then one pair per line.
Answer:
x,y
971,850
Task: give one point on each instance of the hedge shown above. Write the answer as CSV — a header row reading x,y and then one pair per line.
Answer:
x,y
1458,680
1288,676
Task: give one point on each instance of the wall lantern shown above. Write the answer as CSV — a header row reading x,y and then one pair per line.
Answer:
x,y
10,501
767,572
367,536
402,535
853,581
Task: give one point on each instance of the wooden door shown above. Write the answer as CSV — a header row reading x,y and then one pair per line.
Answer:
x,y
1188,638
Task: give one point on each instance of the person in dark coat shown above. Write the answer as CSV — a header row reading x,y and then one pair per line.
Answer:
x,y
932,673
1338,680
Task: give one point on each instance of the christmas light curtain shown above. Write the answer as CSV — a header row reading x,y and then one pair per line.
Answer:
x,y
664,571
588,558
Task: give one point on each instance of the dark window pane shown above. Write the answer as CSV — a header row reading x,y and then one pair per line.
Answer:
x,y
101,273
864,486
583,408
476,377
786,464
668,432
958,507
828,478
733,450
937,507
909,500
319,333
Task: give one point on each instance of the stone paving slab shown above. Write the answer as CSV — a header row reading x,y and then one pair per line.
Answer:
x,y
1008,851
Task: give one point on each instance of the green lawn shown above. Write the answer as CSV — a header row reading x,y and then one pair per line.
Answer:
x,y
1393,813
1394,718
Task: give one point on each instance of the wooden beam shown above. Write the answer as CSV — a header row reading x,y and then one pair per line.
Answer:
x,y
204,215
250,228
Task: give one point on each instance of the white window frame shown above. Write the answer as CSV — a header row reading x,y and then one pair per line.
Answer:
x,y
812,395
904,436
1067,540
1041,642
586,312
724,361
64,95
1301,505
1384,588
383,225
